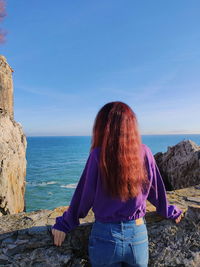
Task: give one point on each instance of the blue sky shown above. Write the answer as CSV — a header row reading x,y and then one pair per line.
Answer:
x,y
71,57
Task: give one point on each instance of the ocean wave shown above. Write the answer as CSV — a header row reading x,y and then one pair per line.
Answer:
x,y
69,185
52,182
41,184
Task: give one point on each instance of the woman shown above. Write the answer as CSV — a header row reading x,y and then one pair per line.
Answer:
x,y
119,176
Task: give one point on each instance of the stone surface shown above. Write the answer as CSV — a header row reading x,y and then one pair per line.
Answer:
x,y
176,244
6,87
12,166
26,239
12,148
180,165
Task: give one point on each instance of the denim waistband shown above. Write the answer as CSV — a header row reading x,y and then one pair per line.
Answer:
x,y
123,230
128,222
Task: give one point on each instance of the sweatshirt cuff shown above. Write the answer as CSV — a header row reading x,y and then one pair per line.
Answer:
x,y
59,225
174,212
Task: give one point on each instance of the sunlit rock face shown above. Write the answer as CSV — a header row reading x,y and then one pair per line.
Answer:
x,y
12,148
180,165
6,87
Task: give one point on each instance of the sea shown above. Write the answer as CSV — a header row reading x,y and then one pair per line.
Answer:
x,y
55,164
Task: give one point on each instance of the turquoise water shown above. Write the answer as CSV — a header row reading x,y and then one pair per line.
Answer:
x,y
54,166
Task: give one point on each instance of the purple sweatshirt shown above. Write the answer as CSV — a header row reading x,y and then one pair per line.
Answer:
x,y
90,194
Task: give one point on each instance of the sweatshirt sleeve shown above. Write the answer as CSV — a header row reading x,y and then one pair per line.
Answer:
x,y
157,193
82,199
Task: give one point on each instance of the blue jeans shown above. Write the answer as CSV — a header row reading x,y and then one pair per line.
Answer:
x,y
119,244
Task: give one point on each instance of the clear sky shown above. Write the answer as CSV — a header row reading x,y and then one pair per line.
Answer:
x,y
71,57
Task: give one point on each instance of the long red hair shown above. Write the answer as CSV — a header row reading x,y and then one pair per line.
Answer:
x,y
116,132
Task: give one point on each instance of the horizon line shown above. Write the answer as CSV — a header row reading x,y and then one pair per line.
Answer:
x,y
156,134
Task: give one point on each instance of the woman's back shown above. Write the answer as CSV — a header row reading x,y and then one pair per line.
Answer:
x,y
90,193
118,178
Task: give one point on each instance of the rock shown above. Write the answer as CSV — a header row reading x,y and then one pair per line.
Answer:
x,y
12,148
26,239
6,87
180,165
176,244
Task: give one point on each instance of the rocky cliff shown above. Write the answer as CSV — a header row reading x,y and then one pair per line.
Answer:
x,y
26,238
180,165
12,148
6,87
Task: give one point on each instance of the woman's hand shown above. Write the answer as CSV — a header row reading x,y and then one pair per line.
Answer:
x,y
59,237
177,220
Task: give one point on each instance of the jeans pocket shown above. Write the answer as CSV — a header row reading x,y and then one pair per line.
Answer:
x,y
101,251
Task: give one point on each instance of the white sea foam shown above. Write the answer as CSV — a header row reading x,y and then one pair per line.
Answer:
x,y
69,186
41,184
52,182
